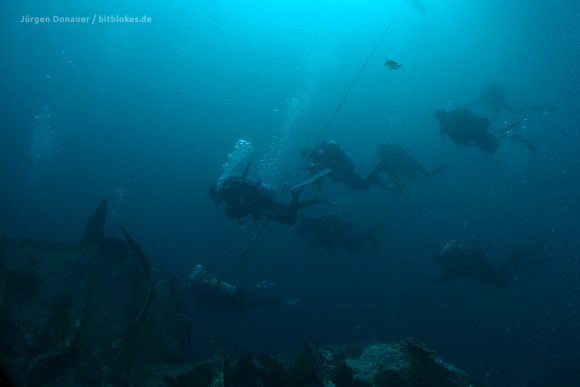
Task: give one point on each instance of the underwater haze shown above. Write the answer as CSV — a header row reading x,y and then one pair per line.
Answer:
x,y
150,115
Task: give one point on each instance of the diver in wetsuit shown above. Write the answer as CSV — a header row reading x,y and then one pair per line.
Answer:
x,y
473,264
330,155
330,230
217,296
466,128
244,197
397,162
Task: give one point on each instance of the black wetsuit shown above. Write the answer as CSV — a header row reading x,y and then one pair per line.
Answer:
x,y
245,198
465,128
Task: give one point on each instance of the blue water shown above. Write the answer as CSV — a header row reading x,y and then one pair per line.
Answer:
x,y
147,114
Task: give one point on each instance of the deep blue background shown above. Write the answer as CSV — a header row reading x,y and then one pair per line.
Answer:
x,y
145,115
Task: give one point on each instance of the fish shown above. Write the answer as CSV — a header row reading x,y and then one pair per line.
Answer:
x,y
392,65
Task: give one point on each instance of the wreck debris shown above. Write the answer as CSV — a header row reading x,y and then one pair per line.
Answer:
x,y
127,322
95,229
65,344
136,249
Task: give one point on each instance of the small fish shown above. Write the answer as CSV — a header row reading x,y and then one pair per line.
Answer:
x,y
392,65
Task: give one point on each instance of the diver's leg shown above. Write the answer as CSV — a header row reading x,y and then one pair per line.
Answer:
x,y
288,214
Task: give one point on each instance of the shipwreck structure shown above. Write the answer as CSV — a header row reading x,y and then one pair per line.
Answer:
x,y
99,313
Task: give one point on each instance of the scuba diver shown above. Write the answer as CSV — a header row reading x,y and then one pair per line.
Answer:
x,y
397,162
473,264
332,156
217,296
330,230
244,197
494,99
466,128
